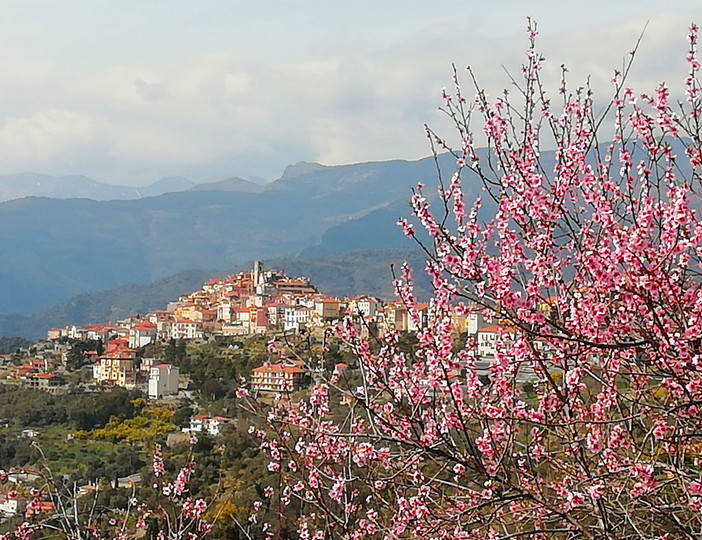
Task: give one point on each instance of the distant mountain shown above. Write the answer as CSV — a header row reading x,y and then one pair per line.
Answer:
x,y
376,230
170,184
17,186
232,184
56,249
340,274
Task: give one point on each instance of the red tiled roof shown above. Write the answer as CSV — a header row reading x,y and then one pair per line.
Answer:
x,y
278,368
145,326
494,328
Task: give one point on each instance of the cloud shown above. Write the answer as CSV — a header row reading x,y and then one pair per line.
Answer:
x,y
44,137
229,111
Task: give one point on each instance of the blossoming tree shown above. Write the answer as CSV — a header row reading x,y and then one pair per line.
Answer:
x,y
588,423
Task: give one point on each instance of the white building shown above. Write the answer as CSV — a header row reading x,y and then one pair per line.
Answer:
x,y
142,334
163,381
210,424
487,341
474,321
296,317
12,505
365,306
185,329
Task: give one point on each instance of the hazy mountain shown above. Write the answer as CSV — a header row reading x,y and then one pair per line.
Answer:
x,y
232,184
170,184
375,230
55,249
359,272
17,186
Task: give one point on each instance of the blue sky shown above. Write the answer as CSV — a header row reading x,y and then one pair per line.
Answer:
x,y
131,91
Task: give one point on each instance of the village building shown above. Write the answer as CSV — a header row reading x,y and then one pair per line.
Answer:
x,y
116,366
185,329
142,334
281,377
12,505
163,381
212,425
46,382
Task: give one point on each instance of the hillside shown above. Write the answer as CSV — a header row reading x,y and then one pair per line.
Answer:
x,y
341,274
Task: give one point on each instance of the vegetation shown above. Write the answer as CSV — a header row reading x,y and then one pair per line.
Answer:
x,y
9,344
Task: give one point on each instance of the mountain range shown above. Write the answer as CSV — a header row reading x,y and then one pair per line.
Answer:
x,y
55,249
17,186
82,237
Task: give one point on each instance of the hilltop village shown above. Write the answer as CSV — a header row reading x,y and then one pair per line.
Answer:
x,y
258,302
186,359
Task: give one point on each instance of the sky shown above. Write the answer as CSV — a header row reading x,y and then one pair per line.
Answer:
x,y
127,91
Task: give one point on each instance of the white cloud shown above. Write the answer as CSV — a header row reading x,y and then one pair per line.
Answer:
x,y
48,135
249,99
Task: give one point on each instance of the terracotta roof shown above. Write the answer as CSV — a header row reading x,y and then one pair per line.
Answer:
x,y
494,328
278,368
145,327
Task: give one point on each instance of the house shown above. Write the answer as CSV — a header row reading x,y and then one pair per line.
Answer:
x,y
12,504
56,333
210,424
44,381
147,363
487,341
142,334
258,320
23,477
279,378
364,306
185,329
163,381
77,332
396,317
295,318
117,367
119,372
224,311
418,318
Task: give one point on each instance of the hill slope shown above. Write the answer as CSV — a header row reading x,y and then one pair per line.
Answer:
x,y
341,274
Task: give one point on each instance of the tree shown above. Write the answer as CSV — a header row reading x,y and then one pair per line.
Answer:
x,y
590,264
